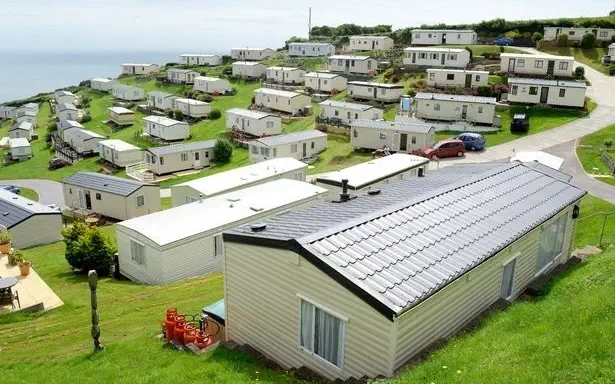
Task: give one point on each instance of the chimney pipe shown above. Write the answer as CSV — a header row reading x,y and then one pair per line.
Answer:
x,y
344,196
200,198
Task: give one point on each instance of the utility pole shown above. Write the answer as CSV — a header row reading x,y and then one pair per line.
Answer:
x,y
310,24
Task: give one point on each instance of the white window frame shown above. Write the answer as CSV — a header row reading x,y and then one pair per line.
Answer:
x,y
218,246
142,201
132,253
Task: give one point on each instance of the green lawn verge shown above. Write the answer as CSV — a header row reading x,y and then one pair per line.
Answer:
x,y
165,203
29,193
591,57
588,151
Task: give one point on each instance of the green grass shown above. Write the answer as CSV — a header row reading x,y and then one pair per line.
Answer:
x,y
589,228
591,57
339,154
29,193
166,203
588,151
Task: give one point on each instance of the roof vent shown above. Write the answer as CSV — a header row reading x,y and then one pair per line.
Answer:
x,y
30,204
345,196
233,199
258,227
257,209
106,184
14,197
5,214
373,192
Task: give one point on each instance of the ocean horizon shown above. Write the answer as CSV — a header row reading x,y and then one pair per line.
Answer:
x,y
25,74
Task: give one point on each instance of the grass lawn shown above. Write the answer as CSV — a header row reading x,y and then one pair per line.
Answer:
x,y
591,57
339,154
166,203
29,193
588,152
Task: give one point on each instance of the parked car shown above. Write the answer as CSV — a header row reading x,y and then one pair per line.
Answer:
x,y
520,123
472,141
507,41
11,188
445,148
56,163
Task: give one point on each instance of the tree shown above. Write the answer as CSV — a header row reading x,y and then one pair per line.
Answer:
x,y
179,115
562,40
71,239
88,248
579,72
537,36
223,150
588,41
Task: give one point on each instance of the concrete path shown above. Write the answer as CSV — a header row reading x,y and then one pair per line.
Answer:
x,y
49,192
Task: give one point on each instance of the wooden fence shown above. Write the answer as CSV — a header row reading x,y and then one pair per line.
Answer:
x,y
608,160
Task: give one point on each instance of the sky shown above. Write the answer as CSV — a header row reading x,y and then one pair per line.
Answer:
x,y
213,26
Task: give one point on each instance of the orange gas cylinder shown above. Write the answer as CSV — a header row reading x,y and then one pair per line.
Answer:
x,y
170,323
202,340
180,325
189,334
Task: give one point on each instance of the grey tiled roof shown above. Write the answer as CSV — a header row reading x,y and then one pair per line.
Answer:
x,y
65,107
410,126
176,148
24,126
105,183
14,209
549,171
289,138
398,256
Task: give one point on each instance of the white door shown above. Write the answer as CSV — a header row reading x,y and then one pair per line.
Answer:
x,y
81,199
197,159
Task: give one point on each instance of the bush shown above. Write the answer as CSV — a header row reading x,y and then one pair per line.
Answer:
x,y
562,40
85,101
608,143
579,72
15,257
170,113
484,91
214,114
223,150
588,41
86,117
179,115
205,97
5,237
537,36
88,248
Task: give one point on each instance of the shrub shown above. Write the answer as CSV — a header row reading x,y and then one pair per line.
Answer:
x,y
5,238
88,248
588,41
485,91
395,78
85,101
86,117
179,115
502,49
214,114
537,36
223,150
579,72
170,113
205,97
562,40
608,143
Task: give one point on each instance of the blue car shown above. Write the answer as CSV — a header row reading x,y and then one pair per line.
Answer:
x,y
507,41
11,188
472,141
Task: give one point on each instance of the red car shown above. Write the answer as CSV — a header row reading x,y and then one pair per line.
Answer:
x,y
445,148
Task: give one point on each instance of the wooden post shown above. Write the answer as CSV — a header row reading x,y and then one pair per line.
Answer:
x,y
93,280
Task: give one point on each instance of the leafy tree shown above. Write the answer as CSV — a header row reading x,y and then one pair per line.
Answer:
x,y
179,115
562,40
71,239
86,117
579,72
537,36
588,41
88,248
223,150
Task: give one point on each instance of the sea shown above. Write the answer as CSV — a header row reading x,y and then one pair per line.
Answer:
x,y
25,74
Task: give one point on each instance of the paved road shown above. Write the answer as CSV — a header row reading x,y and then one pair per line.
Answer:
x,y
49,192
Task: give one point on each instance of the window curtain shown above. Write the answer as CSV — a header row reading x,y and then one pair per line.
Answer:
x,y
327,340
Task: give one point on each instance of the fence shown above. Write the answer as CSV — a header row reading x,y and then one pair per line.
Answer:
x,y
603,224
608,160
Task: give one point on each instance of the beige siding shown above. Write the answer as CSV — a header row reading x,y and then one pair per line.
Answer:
x,y
173,161
261,152
37,230
262,309
451,110
459,302
151,271
373,138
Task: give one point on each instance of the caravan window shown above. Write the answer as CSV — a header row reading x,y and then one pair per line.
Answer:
x,y
137,251
551,242
383,136
322,334
538,64
533,90
218,246
521,63
432,76
140,201
562,92
184,157
563,65
450,76
255,149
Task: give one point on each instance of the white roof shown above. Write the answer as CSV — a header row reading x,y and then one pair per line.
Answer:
x,y
434,49
545,82
457,71
374,84
197,55
25,203
162,120
248,63
311,44
238,177
190,101
19,142
121,110
324,75
347,105
285,68
207,78
350,57
138,64
370,172
251,49
370,37
220,212
444,30
542,157
250,113
278,92
102,80
461,98
530,56
119,145
612,45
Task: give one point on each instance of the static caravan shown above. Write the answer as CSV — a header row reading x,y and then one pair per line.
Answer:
x,y
64,125
359,65
102,84
374,173
537,65
186,241
110,196
474,109
200,59
363,90
179,157
139,69
83,141
238,178
32,107
346,113
64,97
396,136
119,153
607,59
20,149
67,112
25,130
161,100
7,112
369,43
28,222
254,123
444,37
193,108
369,276
299,145
127,92
284,101
251,54
325,82
121,116
285,75
576,34
166,129
436,57
181,76
556,93
457,78
308,49
26,116
212,85
249,70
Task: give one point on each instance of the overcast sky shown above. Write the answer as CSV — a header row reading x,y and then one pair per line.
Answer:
x,y
203,25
